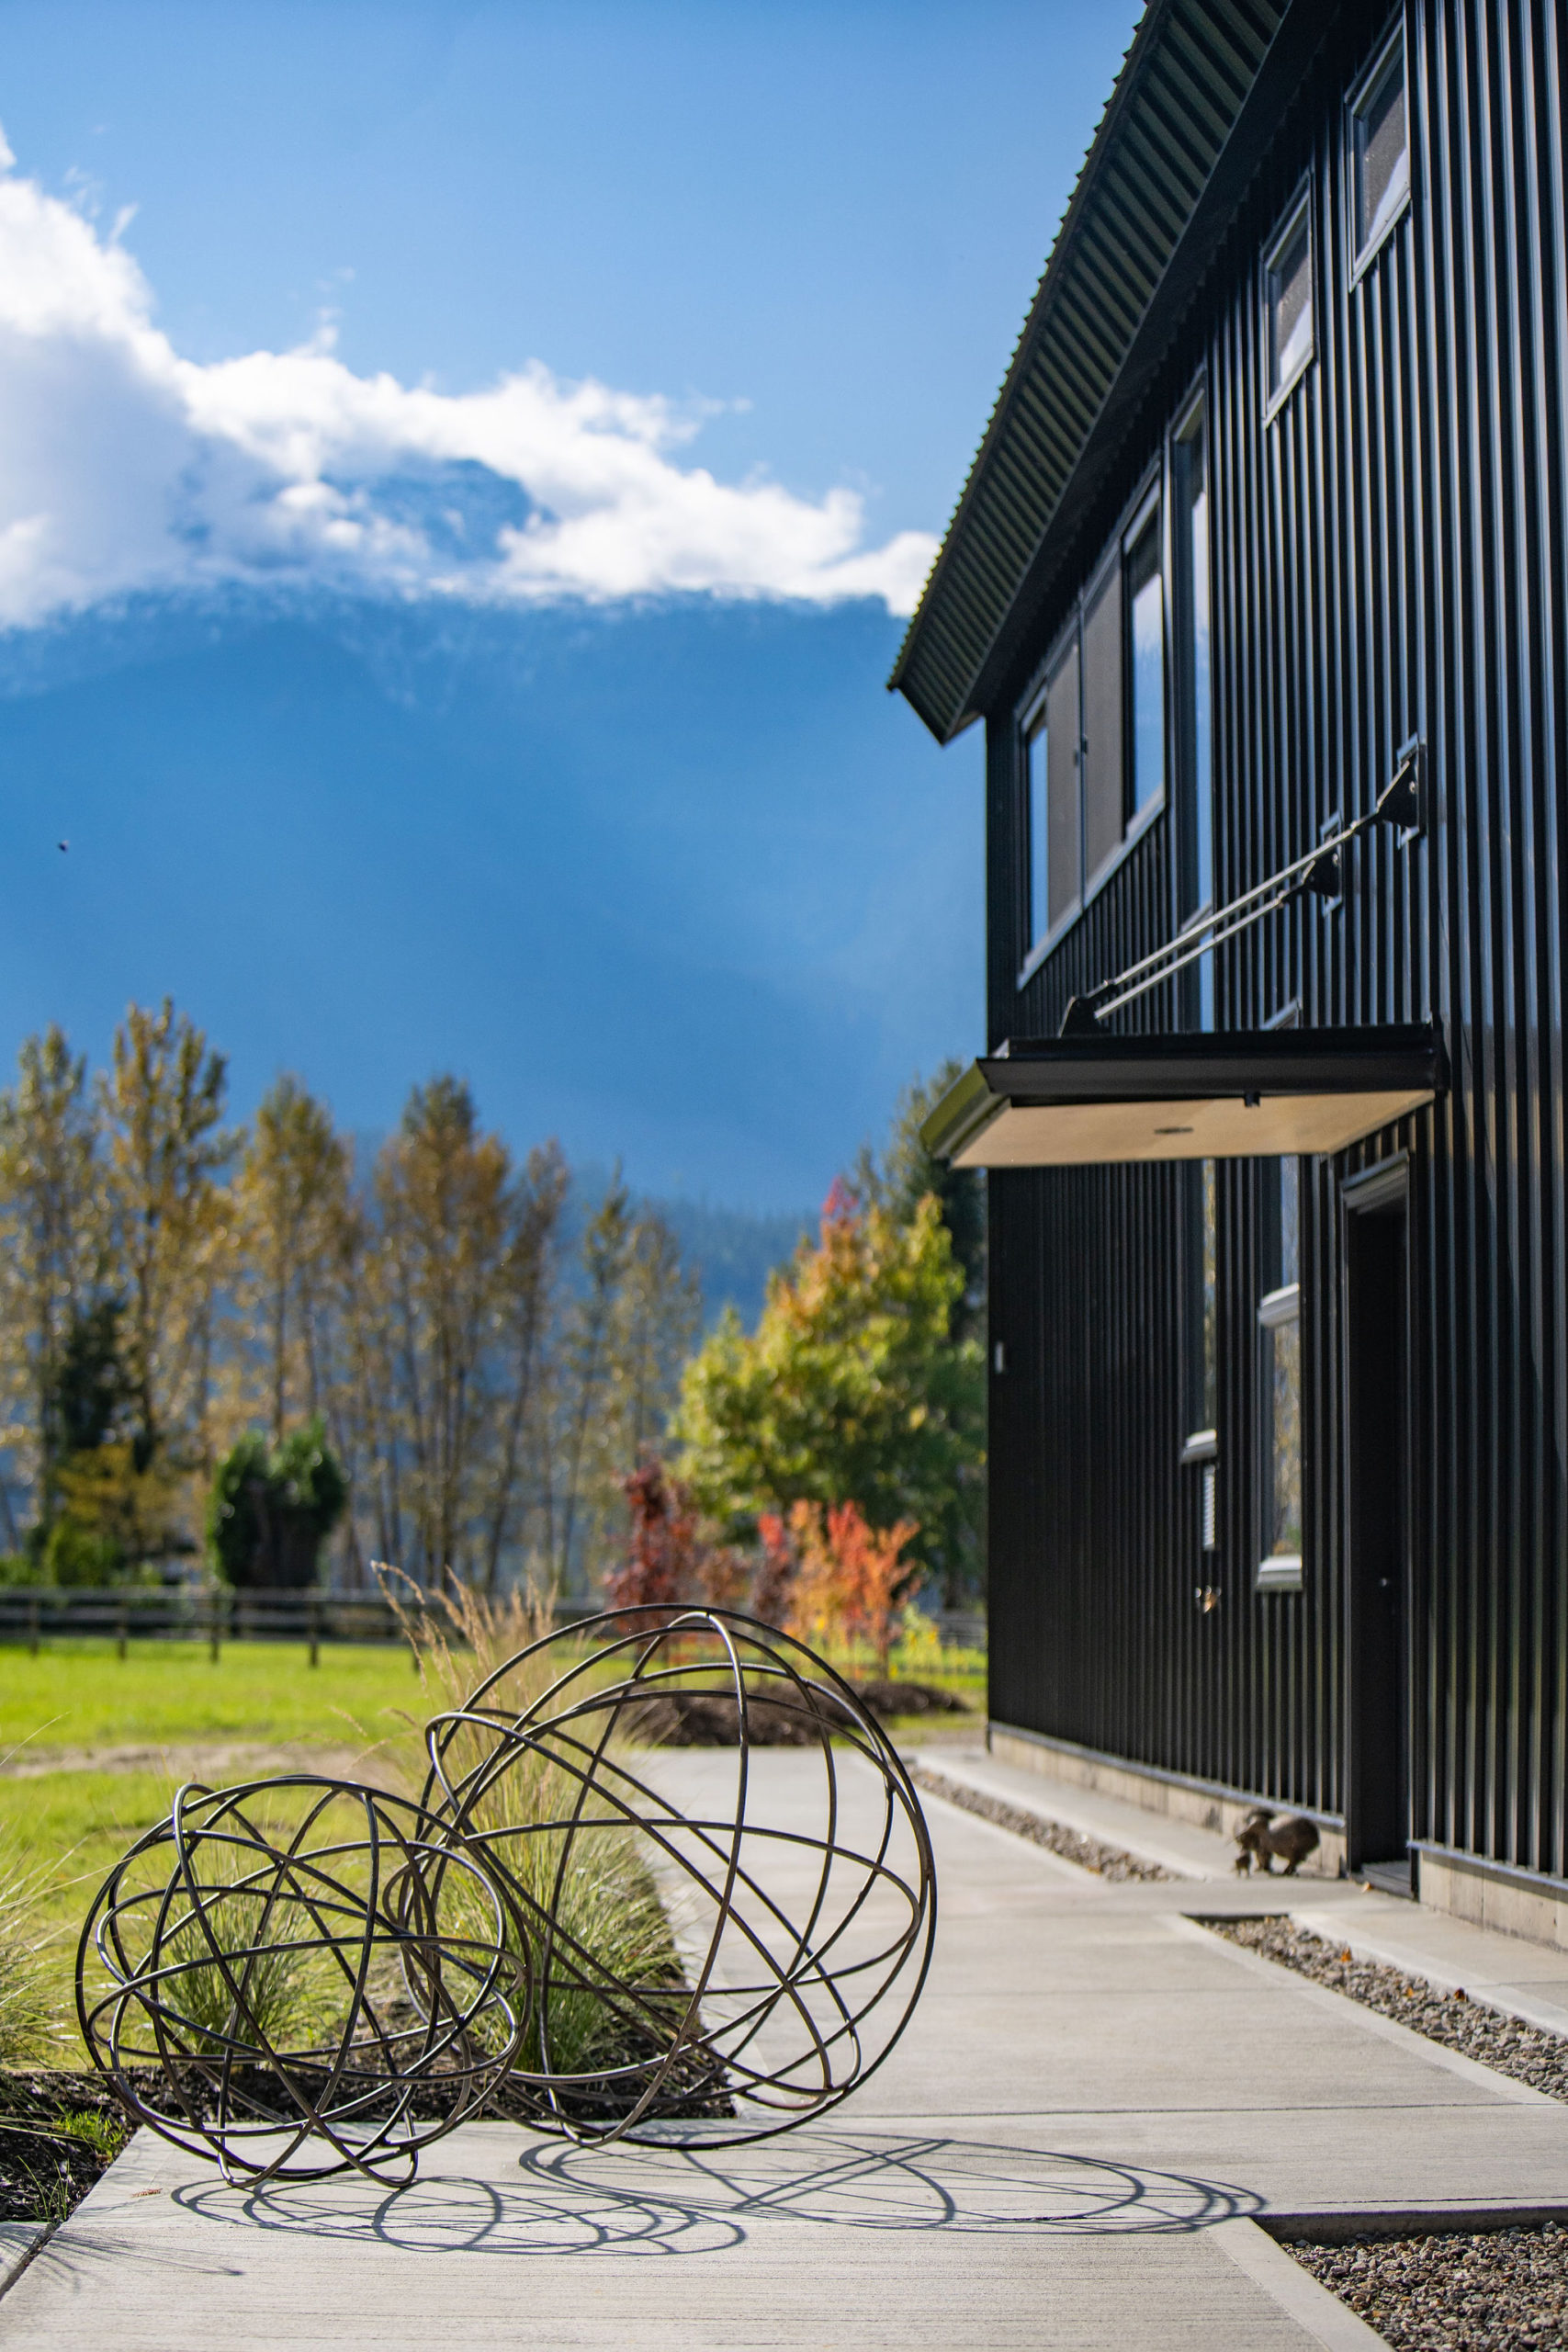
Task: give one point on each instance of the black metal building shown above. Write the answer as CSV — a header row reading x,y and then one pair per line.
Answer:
x,y
1260,584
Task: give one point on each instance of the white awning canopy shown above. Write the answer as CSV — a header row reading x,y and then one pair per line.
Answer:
x,y
1074,1101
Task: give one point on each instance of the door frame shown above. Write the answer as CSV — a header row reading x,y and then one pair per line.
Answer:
x,y
1384,1188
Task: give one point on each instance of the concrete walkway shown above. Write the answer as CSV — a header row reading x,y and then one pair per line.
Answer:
x,y
1527,1979
1095,2099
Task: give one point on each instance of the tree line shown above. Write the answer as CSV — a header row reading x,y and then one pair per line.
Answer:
x,y
481,1354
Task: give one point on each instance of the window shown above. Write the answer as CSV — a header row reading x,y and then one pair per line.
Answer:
x,y
1104,815
1287,300
1280,1334
1062,726
1380,151
1036,756
1194,847
1145,658
1050,858
1092,748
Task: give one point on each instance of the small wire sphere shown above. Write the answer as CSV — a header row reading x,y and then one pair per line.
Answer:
x,y
322,1980
717,1957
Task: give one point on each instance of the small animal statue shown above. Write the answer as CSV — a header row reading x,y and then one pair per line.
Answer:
x,y
1263,1835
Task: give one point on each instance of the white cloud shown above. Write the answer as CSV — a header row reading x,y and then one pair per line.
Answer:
x,y
124,466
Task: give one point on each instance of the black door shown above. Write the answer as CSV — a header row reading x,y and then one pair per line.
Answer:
x,y
1377,1651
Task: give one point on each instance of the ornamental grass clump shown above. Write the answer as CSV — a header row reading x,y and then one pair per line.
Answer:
x,y
608,1960
28,2021
238,1981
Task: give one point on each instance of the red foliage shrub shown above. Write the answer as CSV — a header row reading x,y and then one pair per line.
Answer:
x,y
661,1564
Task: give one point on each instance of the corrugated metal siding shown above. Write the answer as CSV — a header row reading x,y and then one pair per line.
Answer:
x,y
1391,556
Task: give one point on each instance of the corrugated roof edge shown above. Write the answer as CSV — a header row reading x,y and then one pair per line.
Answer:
x,y
1120,92
947,714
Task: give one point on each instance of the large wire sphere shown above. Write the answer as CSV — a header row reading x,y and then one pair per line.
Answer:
x,y
317,1974
717,1953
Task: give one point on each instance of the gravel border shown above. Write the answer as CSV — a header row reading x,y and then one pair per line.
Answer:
x,y
1496,2291
1072,1845
1526,2054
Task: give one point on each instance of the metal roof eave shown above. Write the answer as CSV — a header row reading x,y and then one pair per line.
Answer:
x,y
1065,1101
954,653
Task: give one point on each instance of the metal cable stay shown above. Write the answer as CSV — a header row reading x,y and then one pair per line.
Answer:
x,y
1318,870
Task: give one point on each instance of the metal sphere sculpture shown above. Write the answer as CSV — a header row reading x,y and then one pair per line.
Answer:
x,y
584,1922
714,1959
317,1976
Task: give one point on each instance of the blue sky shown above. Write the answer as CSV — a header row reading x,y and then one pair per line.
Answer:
x,y
461,474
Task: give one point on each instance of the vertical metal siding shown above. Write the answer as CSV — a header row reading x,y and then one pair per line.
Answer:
x,y
1389,556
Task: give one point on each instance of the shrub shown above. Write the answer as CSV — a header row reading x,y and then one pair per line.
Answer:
x,y
269,1513
670,1558
851,1580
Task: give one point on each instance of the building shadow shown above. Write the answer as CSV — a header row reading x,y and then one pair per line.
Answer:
x,y
564,2199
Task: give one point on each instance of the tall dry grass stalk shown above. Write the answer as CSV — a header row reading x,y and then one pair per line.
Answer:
x,y
29,2022
609,1956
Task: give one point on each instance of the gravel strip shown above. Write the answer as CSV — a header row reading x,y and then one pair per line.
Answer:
x,y
1493,2291
1108,1861
1522,2052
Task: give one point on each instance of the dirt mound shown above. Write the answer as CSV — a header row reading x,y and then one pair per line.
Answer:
x,y
707,1719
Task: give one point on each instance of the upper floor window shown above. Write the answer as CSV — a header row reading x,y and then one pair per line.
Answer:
x,y
1146,650
1093,742
1051,752
1194,846
1288,299
1036,756
1379,149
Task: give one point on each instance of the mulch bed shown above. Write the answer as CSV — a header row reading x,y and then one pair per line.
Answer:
x,y
1072,1845
1525,2053
46,2168
1496,2291
709,1718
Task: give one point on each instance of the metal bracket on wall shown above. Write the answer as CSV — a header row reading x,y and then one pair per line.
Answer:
x,y
1321,871
1402,801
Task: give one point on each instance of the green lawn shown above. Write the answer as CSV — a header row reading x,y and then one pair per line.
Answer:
x,y
73,1823
79,1694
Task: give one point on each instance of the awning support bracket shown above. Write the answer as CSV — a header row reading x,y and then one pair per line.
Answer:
x,y
1320,870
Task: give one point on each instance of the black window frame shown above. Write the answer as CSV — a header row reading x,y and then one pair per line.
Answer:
x,y
1150,501
1278,1307
1190,903
1299,213
1362,256
1148,522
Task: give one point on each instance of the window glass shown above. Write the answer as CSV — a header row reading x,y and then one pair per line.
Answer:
x,y
1381,150
1146,648
1279,1317
1203,741
1288,281
1282,1389
1038,821
1104,811
1062,854
1290,1221
1194,722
